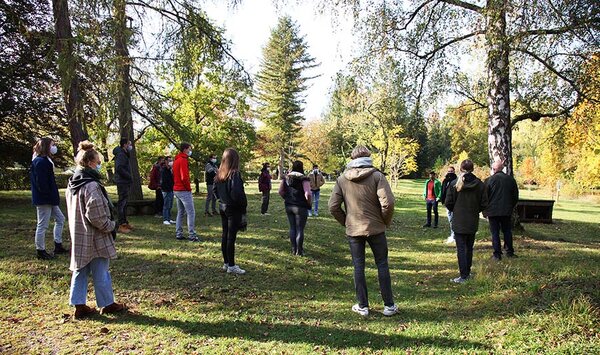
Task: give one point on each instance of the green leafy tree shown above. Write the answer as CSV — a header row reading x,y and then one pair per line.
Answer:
x,y
280,83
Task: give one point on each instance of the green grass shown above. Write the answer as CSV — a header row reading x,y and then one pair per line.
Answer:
x,y
545,301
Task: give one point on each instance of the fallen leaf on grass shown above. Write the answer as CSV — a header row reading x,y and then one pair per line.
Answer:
x,y
104,330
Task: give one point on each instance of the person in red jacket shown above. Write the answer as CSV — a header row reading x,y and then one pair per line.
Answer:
x,y
183,193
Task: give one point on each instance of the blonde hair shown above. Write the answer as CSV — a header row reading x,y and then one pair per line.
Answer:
x,y
85,154
466,166
360,151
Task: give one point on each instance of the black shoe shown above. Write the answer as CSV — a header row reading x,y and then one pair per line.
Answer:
x,y
43,255
513,255
496,258
58,249
426,225
180,238
208,214
435,226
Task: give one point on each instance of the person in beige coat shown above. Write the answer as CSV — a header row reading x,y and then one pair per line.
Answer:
x,y
316,181
369,207
92,230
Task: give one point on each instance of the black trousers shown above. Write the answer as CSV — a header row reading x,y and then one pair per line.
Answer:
x,y
266,196
432,204
158,202
123,192
501,223
230,221
464,252
297,217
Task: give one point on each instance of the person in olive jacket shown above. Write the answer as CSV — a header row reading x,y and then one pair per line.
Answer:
x,y
466,197
45,198
229,189
503,195
369,208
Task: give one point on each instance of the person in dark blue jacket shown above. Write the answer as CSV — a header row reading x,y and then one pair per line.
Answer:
x,y
229,189
123,180
166,186
295,190
45,197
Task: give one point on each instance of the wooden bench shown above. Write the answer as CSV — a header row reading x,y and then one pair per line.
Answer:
x,y
536,211
140,207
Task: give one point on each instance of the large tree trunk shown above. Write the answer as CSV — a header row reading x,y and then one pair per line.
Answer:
x,y
121,36
499,130
67,71
281,162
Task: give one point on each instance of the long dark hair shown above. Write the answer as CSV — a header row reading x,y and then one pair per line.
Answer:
x,y
42,147
230,164
298,166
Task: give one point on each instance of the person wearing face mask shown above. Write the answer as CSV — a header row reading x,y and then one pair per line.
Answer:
x,y
123,180
466,197
182,190
93,233
264,187
45,198
166,186
154,184
316,181
450,176
210,171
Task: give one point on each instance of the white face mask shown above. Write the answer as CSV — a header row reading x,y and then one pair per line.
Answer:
x,y
53,149
171,164
98,167
189,153
213,160
129,148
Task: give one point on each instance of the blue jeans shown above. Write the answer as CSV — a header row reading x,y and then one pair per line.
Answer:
x,y
450,217
497,224
167,205
98,268
315,197
185,205
297,217
44,212
210,197
378,244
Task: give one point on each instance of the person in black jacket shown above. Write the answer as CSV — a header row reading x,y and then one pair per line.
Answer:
x,y
503,195
295,190
45,198
166,186
450,176
229,189
123,179
210,171
465,197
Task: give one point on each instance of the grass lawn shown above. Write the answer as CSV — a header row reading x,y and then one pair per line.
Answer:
x,y
545,301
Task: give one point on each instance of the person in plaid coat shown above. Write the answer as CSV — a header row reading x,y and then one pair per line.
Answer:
x,y
92,231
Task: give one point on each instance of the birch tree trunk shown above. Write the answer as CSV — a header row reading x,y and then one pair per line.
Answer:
x,y
121,37
498,98
67,71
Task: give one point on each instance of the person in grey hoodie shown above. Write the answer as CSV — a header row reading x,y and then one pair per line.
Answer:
x,y
369,207
465,197
123,180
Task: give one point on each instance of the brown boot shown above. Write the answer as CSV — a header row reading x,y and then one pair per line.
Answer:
x,y
113,308
123,229
82,311
129,226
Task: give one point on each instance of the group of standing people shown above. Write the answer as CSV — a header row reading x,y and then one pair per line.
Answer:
x,y
465,196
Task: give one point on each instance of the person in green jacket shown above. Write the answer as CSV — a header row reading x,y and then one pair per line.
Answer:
x,y
432,193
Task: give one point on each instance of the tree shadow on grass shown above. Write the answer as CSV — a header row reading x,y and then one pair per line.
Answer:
x,y
298,333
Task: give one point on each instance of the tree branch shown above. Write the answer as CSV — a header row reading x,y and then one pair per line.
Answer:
x,y
536,116
433,52
559,30
464,5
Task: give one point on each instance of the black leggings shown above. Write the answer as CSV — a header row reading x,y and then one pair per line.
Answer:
x,y
297,217
230,222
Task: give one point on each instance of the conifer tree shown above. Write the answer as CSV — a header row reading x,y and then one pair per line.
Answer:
x,y
280,86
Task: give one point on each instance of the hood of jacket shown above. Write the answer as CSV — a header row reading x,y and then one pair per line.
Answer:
x,y
450,176
181,155
295,176
359,169
82,177
470,181
119,150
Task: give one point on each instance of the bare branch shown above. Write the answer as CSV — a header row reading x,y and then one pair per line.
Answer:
x,y
434,51
559,30
464,5
536,116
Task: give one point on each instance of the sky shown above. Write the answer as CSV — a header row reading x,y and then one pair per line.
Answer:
x,y
248,26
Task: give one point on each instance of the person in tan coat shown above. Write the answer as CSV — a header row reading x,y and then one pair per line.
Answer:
x,y
92,230
316,181
369,208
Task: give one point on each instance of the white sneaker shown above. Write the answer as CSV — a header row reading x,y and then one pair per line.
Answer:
x,y
309,213
167,223
235,270
362,311
225,266
316,214
172,221
450,240
390,311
